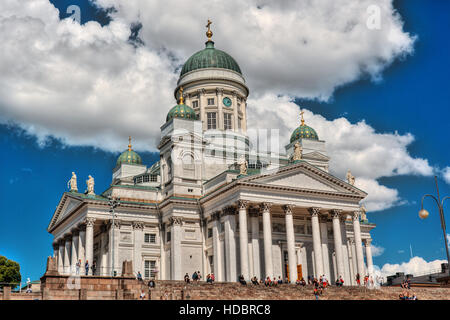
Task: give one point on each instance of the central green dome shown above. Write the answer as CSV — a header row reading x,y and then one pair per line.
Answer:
x,y
210,57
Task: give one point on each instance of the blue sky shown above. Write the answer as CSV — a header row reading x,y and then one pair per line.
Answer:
x,y
412,97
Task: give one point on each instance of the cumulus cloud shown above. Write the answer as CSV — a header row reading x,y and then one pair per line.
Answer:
x,y
377,250
446,174
414,266
370,155
88,85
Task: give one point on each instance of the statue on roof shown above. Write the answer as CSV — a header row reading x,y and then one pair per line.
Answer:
x,y
350,178
297,151
363,213
90,186
72,183
243,165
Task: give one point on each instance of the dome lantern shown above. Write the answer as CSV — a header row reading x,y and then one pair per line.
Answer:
x,y
129,156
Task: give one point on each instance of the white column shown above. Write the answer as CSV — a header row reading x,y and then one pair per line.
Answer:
x,y
175,248
61,246
202,104
55,249
358,245
138,228
336,214
218,267
74,251
230,243
104,268
318,261
90,242
290,238
325,251
67,248
235,113
82,246
267,230
243,238
354,262
255,245
368,244
304,261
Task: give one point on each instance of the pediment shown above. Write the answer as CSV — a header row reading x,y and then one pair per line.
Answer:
x,y
304,176
65,207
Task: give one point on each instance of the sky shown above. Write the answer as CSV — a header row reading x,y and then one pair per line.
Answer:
x,y
71,94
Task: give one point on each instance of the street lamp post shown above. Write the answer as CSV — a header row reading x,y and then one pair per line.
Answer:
x,y
423,214
113,203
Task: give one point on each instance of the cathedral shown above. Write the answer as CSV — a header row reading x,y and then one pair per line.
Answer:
x,y
214,204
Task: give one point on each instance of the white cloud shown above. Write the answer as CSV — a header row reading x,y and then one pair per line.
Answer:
x,y
414,266
370,155
377,250
446,174
87,85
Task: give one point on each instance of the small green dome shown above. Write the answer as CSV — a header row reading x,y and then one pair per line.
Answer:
x,y
129,157
181,111
210,58
304,132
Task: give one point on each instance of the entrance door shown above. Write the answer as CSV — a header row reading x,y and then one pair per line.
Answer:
x,y
299,272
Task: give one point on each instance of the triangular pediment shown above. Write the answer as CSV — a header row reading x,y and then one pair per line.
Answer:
x,y
65,207
304,176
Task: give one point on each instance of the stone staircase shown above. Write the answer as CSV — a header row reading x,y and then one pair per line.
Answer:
x,y
178,290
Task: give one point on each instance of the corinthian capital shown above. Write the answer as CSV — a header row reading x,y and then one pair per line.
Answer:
x,y
355,215
175,221
314,211
139,225
89,222
288,209
336,213
367,242
242,204
265,206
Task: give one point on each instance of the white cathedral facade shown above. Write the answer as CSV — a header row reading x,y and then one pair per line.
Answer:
x,y
213,204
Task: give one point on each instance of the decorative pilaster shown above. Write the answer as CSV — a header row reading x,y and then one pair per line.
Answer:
x,y
61,247
243,238
175,247
290,237
358,244
219,96
138,227
218,267
267,230
318,261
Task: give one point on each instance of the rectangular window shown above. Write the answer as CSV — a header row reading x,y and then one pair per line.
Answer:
x,y
239,123
149,269
210,101
227,121
146,178
210,232
168,236
195,104
153,178
150,238
211,120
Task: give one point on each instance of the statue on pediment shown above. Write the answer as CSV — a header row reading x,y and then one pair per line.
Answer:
x,y
350,178
243,165
90,186
297,151
72,183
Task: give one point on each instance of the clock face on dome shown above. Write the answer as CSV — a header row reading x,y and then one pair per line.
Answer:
x,y
227,101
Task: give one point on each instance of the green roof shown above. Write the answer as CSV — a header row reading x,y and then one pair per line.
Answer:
x,y
181,111
210,57
129,157
304,132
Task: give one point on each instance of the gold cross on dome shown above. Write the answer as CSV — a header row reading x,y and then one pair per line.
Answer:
x,y
209,32
181,96
301,115
129,143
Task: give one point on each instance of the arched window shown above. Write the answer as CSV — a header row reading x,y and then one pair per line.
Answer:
x,y
188,166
